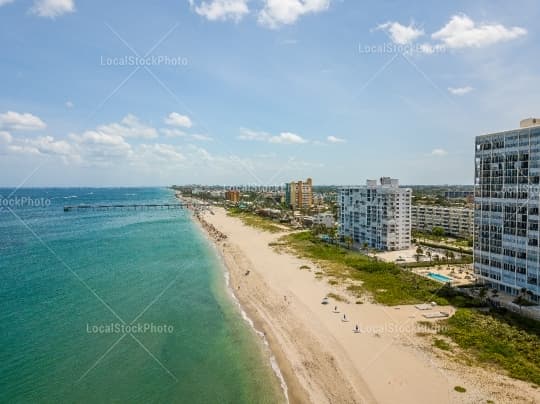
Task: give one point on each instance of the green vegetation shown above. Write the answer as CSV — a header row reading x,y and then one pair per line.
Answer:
x,y
448,247
504,340
386,282
460,389
253,220
436,238
467,259
437,232
337,298
442,344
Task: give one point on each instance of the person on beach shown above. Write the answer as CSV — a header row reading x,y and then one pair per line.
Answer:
x,y
356,329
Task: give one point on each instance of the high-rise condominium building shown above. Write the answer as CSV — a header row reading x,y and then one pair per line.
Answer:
x,y
378,215
232,195
507,201
454,221
299,195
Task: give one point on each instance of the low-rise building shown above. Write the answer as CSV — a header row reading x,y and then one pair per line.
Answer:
x,y
457,222
325,219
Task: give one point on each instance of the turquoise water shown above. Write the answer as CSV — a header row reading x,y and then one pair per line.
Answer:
x,y
69,281
439,277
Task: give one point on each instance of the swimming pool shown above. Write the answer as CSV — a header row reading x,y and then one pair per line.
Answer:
x,y
439,277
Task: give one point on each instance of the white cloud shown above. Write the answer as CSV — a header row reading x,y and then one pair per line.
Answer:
x,y
248,134
401,34
439,152
129,126
173,132
43,146
222,10
282,138
5,136
334,139
101,149
69,104
462,32
52,8
287,138
4,2
460,90
283,12
161,152
25,121
48,145
175,119
201,137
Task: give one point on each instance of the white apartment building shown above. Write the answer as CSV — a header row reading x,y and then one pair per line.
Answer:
x,y
326,219
378,215
454,221
506,213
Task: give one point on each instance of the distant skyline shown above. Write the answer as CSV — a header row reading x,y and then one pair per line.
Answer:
x,y
258,91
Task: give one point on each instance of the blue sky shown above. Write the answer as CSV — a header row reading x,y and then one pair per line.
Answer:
x,y
258,91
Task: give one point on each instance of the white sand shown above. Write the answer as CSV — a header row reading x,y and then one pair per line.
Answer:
x,y
321,358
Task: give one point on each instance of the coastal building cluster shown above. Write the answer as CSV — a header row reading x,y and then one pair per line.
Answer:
x,y
501,211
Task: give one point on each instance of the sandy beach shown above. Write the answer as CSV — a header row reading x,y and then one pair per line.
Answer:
x,y
320,356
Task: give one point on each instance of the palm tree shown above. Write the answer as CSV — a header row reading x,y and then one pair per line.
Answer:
x,y
449,257
521,299
482,294
428,253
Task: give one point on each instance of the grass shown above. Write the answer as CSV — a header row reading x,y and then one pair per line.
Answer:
x,y
460,250
505,340
442,344
337,298
258,222
467,259
460,389
386,282
448,240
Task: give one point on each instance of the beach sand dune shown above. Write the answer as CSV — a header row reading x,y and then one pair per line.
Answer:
x,y
321,357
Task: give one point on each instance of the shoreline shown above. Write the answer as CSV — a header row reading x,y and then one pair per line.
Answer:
x,y
254,323
274,363
293,389
320,358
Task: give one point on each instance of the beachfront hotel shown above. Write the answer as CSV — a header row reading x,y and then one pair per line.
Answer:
x,y
457,222
377,215
299,195
507,199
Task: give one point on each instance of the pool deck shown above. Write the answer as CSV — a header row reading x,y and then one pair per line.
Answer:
x,y
456,278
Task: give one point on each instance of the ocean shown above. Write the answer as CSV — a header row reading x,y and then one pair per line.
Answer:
x,y
119,306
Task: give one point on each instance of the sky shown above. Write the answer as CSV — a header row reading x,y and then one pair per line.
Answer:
x,y
139,93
